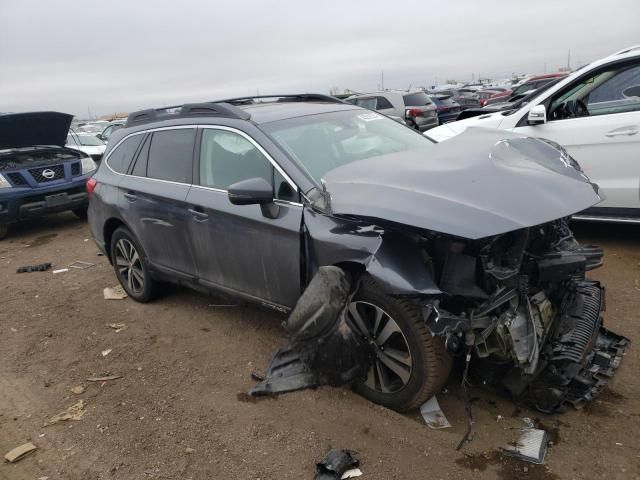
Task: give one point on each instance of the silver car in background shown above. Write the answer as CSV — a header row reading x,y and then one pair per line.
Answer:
x,y
416,108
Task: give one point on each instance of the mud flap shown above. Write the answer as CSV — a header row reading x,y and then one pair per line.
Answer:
x,y
323,348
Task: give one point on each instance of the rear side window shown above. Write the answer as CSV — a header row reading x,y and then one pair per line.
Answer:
x,y
121,157
383,103
418,99
227,158
369,103
171,155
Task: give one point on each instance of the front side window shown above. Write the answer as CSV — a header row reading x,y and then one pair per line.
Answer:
x,y
227,157
322,142
171,155
121,157
613,90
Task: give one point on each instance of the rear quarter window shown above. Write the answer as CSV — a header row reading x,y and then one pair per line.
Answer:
x,y
418,99
171,155
121,157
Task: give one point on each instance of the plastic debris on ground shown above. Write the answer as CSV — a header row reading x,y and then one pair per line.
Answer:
x,y
20,452
74,412
433,415
81,265
60,270
118,327
104,379
531,446
106,352
115,293
40,267
336,464
353,473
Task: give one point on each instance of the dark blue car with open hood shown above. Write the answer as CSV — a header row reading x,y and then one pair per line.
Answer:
x,y
38,174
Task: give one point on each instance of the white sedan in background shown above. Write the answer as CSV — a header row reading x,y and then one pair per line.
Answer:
x,y
86,143
594,114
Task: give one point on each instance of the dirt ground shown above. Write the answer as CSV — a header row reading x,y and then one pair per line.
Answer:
x,y
179,410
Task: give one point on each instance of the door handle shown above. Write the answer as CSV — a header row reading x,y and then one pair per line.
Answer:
x,y
198,214
628,131
130,196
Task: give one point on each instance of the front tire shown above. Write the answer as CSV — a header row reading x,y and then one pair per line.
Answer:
x,y
411,365
131,266
80,212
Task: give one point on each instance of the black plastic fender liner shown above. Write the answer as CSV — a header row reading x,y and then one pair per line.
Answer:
x,y
324,349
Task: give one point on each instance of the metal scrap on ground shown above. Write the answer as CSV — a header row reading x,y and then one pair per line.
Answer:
x,y
81,265
104,379
20,452
531,446
433,415
336,464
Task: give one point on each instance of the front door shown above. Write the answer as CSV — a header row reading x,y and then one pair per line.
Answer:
x,y
236,246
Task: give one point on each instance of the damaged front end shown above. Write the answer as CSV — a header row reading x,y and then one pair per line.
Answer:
x,y
521,302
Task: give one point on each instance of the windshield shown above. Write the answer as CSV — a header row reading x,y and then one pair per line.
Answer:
x,y
319,143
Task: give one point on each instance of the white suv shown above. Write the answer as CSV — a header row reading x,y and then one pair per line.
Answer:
x,y
595,114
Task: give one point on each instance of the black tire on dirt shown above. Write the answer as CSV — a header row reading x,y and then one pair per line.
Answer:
x,y
131,266
430,362
80,212
4,231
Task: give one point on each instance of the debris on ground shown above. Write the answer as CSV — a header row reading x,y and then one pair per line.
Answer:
x,y
115,293
104,379
353,473
60,270
336,463
40,267
433,415
117,326
77,390
74,412
80,265
20,452
531,446
106,352
323,349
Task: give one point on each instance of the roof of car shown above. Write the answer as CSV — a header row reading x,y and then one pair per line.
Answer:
x,y
274,111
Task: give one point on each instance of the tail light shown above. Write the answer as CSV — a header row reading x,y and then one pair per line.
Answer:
x,y
91,184
413,112
483,103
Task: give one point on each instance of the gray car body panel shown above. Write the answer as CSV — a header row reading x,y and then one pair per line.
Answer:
x,y
483,182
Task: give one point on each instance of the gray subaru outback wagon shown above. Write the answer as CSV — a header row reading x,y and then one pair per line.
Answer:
x,y
460,248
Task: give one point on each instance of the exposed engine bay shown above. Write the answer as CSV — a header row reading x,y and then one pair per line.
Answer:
x,y
520,301
36,157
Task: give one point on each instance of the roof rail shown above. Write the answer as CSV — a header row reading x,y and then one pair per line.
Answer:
x,y
625,50
295,97
209,109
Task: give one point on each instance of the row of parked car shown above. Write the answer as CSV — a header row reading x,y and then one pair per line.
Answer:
x,y
423,110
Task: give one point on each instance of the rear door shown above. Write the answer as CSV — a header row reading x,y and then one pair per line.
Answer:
x,y
605,140
154,198
236,246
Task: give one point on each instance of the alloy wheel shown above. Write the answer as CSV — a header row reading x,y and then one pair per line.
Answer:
x,y
129,265
392,368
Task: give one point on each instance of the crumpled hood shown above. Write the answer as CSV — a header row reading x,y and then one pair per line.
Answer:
x,y
19,130
483,182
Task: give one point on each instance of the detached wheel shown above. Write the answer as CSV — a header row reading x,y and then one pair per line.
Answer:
x,y
131,266
411,365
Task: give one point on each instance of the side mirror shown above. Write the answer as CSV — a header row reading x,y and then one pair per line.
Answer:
x,y
537,115
100,137
254,191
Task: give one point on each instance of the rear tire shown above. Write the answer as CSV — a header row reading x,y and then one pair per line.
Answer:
x,y
131,266
429,361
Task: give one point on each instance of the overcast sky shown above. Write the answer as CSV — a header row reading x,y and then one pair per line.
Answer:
x,y
122,55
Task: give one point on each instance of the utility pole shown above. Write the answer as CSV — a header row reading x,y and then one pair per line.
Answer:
x,y
382,80
569,59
